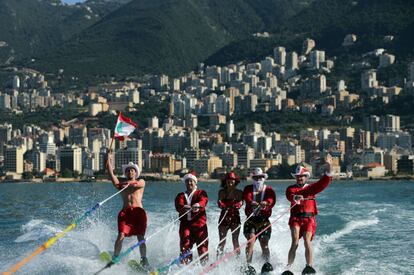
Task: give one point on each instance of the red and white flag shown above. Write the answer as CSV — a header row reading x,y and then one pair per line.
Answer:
x,y
124,127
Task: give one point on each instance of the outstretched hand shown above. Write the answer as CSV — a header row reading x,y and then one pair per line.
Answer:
x,y
328,163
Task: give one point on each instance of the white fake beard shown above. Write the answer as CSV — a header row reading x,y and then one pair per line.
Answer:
x,y
258,184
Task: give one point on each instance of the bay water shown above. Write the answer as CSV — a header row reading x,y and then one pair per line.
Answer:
x,y
363,228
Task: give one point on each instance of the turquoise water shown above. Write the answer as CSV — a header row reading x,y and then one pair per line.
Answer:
x,y
363,228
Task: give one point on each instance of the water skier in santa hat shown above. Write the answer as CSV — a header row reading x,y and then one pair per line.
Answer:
x,y
302,216
193,226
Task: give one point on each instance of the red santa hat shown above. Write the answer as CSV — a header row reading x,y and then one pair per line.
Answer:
x,y
191,175
301,171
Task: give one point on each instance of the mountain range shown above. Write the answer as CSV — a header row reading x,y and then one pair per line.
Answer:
x,y
122,38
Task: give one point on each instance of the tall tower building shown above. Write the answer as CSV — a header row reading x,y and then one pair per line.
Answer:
x,y
317,57
153,122
390,123
372,123
369,79
279,54
70,157
13,159
16,83
292,61
231,93
230,129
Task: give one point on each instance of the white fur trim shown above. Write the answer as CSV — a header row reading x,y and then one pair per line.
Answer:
x,y
190,176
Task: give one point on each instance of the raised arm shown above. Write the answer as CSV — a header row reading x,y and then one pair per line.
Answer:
x,y
114,179
317,187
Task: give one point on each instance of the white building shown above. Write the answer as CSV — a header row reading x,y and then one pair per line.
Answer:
x,y
5,102
386,59
133,96
153,122
16,83
230,129
369,79
316,58
292,62
279,54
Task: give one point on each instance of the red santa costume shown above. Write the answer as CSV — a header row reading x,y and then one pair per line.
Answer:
x,y
253,195
303,214
193,226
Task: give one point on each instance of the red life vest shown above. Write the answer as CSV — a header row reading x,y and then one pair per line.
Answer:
x,y
307,207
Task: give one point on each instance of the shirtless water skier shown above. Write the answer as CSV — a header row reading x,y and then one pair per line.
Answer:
x,y
132,219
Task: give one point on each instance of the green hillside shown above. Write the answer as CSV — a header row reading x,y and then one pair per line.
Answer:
x,y
162,36
328,21
37,26
122,38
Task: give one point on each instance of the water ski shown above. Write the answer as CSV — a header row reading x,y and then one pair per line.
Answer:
x,y
249,270
141,267
308,270
105,256
266,268
287,272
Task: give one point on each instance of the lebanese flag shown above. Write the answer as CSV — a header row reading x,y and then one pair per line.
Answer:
x,y
124,127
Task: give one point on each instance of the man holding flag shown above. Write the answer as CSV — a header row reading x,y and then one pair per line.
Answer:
x,y
132,219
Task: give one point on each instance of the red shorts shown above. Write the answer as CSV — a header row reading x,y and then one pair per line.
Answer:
x,y
132,221
305,224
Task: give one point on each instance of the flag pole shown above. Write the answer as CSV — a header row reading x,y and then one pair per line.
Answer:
x,y
110,146
112,141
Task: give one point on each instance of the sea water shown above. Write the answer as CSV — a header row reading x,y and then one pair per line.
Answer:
x,y
363,228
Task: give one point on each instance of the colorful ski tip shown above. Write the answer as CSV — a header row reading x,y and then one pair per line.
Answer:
x,y
105,256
